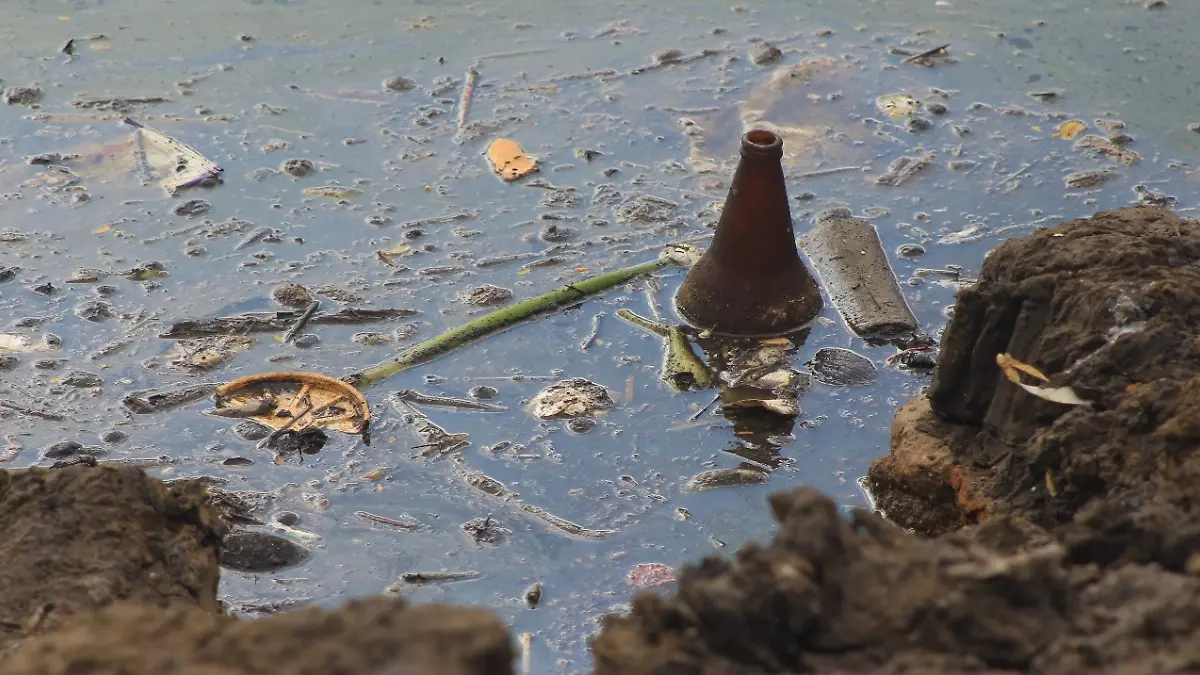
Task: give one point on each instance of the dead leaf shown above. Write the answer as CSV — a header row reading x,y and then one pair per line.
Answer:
x,y
1012,369
1070,129
509,160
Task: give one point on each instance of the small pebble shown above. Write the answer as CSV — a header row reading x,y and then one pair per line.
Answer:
x,y
79,378
483,393
192,207
581,425
398,83
765,53
114,436
910,250
935,108
306,341
297,167
63,450
292,295
8,362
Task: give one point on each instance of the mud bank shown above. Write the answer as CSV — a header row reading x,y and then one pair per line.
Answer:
x,y
1107,306
106,570
1059,538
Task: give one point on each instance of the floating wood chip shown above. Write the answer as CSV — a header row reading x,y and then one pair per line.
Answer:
x,y
1013,368
296,401
509,161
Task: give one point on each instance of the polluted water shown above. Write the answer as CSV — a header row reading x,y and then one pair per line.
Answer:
x,y
193,195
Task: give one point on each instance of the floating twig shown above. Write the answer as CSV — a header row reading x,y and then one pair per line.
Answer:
x,y
440,220
591,337
406,525
410,396
438,577
301,322
464,103
676,254
158,400
271,321
936,51
827,172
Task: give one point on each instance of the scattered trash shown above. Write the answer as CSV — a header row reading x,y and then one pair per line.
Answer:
x,y
751,280
849,259
17,342
188,167
436,442
299,402
842,367
1012,369
509,161
649,575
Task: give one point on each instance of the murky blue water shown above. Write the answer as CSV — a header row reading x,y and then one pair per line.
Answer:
x,y
239,76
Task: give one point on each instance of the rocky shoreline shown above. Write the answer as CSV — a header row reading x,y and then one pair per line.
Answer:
x,y
1022,535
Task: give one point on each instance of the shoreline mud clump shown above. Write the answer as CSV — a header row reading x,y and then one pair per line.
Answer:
x,y
833,594
1108,307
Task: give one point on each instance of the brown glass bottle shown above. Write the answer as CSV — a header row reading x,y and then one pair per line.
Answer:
x,y
751,281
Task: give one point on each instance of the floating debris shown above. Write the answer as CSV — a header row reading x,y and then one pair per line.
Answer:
x,y
485,295
575,397
254,551
509,161
436,442
842,367
716,478
897,105
421,578
275,321
207,353
649,575
1082,180
190,167
904,169
1100,146
416,397
17,342
332,192
159,400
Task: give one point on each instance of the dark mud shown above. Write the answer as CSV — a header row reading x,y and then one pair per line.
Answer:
x,y
80,538
1109,307
859,595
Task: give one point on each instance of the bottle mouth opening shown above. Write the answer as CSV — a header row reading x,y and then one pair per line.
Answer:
x,y
761,142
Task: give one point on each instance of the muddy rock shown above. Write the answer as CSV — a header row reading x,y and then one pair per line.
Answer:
x,y
1108,307
81,538
367,637
292,295
857,595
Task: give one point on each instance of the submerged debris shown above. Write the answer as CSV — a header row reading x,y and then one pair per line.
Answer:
x,y
576,397
842,367
904,169
272,321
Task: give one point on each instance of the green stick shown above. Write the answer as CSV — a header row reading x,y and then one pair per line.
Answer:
x,y
676,254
